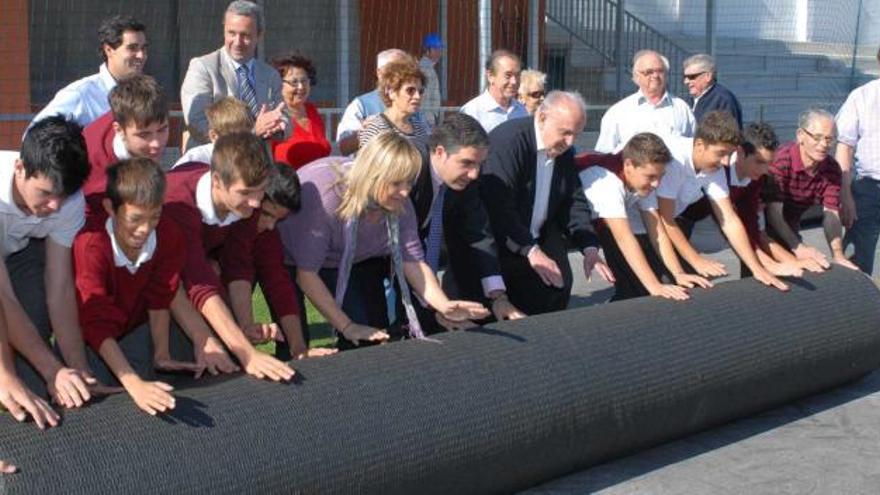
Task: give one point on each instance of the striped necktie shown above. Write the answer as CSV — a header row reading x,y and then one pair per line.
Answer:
x,y
246,89
435,231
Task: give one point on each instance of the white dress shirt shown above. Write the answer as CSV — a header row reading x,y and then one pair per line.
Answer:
x,y
201,154
82,101
683,183
17,227
635,114
858,126
489,113
609,198
543,178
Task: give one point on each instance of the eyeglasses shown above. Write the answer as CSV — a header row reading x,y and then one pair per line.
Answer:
x,y
536,94
296,82
818,138
652,72
691,77
412,90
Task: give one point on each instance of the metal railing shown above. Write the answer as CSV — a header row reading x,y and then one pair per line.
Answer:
x,y
597,25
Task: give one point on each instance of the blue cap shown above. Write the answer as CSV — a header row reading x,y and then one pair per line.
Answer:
x,y
432,41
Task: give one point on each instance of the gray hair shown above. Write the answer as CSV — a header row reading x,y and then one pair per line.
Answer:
x,y
249,9
641,53
556,98
387,56
530,77
812,114
704,62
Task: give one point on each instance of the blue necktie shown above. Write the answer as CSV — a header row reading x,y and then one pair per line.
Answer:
x,y
435,231
246,90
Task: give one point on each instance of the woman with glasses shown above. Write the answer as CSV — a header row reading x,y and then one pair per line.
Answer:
x,y
401,85
531,89
356,226
307,141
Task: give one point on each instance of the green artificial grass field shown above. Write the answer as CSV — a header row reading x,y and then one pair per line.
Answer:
x,y
321,333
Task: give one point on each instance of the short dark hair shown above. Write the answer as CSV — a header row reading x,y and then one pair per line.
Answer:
x,y
283,188
457,131
111,29
138,99
136,181
645,148
759,135
55,148
499,54
718,127
241,155
290,61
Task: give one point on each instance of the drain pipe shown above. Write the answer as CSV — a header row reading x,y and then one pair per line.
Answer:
x,y
485,16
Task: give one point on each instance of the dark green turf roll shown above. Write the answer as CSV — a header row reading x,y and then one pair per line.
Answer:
x,y
493,410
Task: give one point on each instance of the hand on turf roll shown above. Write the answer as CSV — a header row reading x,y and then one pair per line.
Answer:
x,y
842,261
21,403
152,397
785,269
314,353
462,310
7,468
70,387
804,251
545,267
454,325
709,268
690,281
356,333
168,365
211,356
264,366
503,309
668,291
259,333
769,280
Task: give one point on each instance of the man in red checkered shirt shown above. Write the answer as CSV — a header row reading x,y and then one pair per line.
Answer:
x,y
804,174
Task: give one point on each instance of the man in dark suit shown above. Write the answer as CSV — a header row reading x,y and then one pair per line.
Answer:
x,y
448,207
701,78
535,201
233,70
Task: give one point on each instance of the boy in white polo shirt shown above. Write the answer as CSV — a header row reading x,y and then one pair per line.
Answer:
x,y
697,170
620,189
41,210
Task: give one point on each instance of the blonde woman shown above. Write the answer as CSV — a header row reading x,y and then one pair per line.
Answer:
x,y
356,226
532,89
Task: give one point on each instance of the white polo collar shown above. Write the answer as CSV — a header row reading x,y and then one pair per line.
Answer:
x,y
206,204
120,260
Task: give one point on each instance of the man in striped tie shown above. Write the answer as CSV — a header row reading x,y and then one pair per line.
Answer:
x,y
447,188
233,70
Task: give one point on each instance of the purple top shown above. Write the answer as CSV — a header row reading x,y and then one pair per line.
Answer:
x,y
313,237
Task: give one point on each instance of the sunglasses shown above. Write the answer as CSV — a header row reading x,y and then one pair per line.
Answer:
x,y
691,77
412,90
536,94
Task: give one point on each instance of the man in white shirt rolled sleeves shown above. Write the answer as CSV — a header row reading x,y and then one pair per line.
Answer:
x,y
41,210
122,43
858,153
650,109
697,171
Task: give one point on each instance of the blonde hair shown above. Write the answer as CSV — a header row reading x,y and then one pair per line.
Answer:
x,y
531,78
229,115
388,158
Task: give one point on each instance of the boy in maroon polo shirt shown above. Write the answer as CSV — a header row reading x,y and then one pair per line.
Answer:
x,y
620,189
135,126
282,198
214,206
746,176
127,272
804,174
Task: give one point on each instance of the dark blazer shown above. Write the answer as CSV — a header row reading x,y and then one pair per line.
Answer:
x,y
507,185
470,246
717,98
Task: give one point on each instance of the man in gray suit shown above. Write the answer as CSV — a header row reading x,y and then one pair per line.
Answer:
x,y
233,70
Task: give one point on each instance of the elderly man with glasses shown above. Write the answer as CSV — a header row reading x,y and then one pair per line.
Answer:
x,y
650,109
804,174
701,79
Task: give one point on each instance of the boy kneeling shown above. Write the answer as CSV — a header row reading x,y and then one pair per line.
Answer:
x,y
127,272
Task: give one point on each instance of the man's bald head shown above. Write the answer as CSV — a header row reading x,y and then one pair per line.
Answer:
x,y
561,118
650,70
